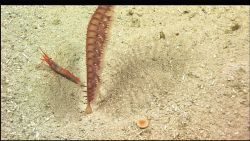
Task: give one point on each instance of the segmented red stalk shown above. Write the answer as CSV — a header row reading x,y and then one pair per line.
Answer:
x,y
95,45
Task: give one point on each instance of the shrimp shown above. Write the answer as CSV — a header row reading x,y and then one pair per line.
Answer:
x,y
63,72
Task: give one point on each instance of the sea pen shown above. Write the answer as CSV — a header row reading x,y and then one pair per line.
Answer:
x,y
96,39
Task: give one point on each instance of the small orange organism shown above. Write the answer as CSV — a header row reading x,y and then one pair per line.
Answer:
x,y
142,123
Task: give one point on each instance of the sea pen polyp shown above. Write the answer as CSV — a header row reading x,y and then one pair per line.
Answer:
x,y
95,44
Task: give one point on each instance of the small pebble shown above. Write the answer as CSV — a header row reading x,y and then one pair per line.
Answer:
x,y
162,35
235,27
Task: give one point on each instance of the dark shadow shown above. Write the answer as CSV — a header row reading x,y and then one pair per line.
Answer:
x,y
135,87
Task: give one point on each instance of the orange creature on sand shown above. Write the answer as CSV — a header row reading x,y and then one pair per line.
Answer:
x,y
65,73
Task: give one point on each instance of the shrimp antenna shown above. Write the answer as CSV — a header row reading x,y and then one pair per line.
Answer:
x,y
42,50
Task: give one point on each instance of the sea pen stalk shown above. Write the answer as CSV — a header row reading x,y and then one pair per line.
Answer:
x,y
96,39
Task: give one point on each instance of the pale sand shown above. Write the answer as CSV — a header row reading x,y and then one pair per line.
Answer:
x,y
194,84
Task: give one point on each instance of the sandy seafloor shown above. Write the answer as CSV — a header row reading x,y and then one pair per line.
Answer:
x,y
186,68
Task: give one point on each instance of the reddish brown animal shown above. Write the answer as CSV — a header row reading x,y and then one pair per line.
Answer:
x,y
63,72
95,43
